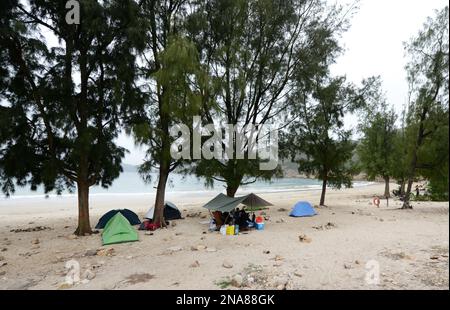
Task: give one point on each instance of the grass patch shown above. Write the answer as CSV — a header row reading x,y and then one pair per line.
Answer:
x,y
224,283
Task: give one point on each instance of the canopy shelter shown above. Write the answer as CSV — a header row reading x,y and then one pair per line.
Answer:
x,y
254,201
224,203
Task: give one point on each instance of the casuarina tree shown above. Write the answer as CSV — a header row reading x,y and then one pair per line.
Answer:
x,y
173,83
61,104
376,149
427,69
317,140
251,50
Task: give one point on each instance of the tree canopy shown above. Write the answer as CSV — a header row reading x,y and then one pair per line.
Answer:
x,y
427,119
376,149
252,50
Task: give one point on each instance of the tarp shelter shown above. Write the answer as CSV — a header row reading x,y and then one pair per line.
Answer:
x,y
171,212
224,203
132,217
302,208
254,201
119,230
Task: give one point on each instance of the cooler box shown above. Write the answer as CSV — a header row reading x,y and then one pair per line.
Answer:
x,y
259,226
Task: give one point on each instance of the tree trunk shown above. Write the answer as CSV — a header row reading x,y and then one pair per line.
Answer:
x,y
231,190
324,189
84,225
412,171
402,188
387,194
160,196
406,204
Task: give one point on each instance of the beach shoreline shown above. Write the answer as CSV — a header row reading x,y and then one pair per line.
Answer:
x,y
410,246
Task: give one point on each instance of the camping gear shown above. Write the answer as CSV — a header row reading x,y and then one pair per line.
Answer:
x,y
260,226
119,230
259,219
224,203
143,225
302,208
147,225
152,226
254,201
132,217
217,216
230,230
171,212
223,230
212,225
236,229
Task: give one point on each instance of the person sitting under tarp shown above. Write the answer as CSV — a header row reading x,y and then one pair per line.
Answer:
x,y
237,216
221,218
242,218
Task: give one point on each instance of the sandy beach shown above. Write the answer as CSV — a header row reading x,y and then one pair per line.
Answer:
x,y
338,247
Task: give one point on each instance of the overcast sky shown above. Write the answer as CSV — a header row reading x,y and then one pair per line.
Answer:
x,y
374,43
374,46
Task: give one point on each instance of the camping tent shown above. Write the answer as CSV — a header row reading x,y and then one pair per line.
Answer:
x,y
128,214
224,203
302,208
119,230
171,212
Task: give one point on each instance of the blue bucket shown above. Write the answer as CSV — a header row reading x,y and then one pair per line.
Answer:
x,y
260,226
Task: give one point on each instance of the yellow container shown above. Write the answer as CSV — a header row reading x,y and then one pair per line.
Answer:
x,y
230,230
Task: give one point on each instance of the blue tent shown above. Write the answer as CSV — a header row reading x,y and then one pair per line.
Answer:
x,y
302,208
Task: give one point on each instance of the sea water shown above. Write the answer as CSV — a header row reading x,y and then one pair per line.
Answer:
x,y
131,183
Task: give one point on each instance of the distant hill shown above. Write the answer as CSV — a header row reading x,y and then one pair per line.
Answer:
x,y
129,168
290,170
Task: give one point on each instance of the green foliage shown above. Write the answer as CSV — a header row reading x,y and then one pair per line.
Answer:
x,y
179,68
252,50
433,164
174,84
376,150
427,118
317,139
63,104
224,283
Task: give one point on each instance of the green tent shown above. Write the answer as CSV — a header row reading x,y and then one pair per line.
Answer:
x,y
119,230
224,203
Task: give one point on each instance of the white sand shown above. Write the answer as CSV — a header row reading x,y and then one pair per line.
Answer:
x,y
410,247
